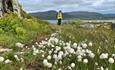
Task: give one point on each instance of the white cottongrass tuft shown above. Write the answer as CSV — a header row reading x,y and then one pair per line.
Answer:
x,y
84,45
90,44
49,57
111,60
16,57
72,65
85,61
18,44
104,56
49,65
1,59
7,61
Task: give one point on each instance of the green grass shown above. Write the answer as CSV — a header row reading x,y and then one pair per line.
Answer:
x,y
14,29
26,31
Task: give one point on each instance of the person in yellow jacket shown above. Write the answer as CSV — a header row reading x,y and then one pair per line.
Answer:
x,y
59,17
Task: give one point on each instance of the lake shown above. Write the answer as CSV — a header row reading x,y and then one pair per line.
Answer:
x,y
55,21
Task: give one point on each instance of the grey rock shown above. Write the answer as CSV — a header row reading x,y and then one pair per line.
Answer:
x,y
9,5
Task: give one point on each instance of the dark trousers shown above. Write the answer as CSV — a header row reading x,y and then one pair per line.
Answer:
x,y
59,21
113,26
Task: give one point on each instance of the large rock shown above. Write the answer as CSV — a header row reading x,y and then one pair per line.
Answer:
x,y
9,5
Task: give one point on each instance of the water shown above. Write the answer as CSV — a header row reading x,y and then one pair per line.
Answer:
x,y
55,21
63,21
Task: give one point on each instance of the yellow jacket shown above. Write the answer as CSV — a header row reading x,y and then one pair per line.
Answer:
x,y
59,15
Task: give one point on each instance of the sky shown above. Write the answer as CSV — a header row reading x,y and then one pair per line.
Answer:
x,y
101,6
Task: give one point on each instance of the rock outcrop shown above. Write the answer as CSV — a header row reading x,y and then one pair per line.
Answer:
x,y
9,5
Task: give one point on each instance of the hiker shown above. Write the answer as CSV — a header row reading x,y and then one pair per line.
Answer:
x,y
59,17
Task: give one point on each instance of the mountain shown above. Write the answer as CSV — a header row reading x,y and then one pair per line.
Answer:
x,y
109,15
51,15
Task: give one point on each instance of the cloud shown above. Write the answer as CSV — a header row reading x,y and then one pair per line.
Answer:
x,y
102,6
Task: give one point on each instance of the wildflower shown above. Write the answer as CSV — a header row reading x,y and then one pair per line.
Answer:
x,y
104,56
84,45
85,61
70,50
72,65
111,60
59,57
43,56
21,68
22,60
1,59
16,57
55,56
75,45
92,55
96,63
49,65
45,62
90,44
79,60
60,62
50,52
18,44
59,69
49,57
61,53
7,61
102,68
69,67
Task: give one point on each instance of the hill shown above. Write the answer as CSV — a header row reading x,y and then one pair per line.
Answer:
x,y
51,15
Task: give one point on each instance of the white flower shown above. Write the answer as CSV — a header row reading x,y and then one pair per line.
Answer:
x,y
92,55
59,57
69,67
45,61
61,53
16,57
50,52
79,57
60,62
55,56
90,44
49,65
79,60
70,50
18,44
22,60
84,45
85,61
49,57
21,68
104,56
1,59
59,69
43,56
7,61
113,55
75,45
58,48
102,68
111,60
96,63
72,65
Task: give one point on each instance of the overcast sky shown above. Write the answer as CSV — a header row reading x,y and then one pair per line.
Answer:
x,y
102,6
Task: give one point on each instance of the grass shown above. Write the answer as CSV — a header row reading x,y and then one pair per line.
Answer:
x,y
14,29
27,31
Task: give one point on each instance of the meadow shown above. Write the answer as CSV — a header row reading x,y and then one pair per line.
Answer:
x,y
66,47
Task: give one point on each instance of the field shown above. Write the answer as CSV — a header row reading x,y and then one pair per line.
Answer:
x,y
52,47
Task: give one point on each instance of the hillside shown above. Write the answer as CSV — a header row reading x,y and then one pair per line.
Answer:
x,y
51,15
